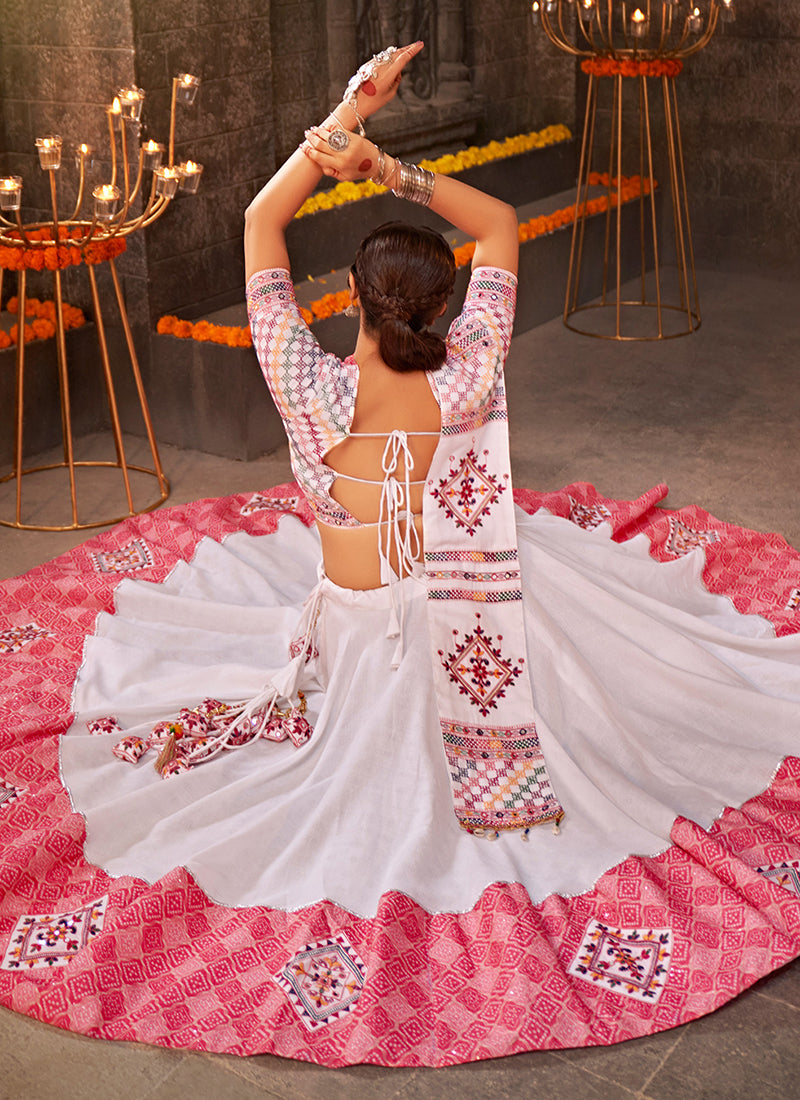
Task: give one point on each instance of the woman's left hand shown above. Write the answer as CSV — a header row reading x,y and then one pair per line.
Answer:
x,y
356,159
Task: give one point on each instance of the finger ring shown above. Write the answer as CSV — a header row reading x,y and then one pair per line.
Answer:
x,y
338,140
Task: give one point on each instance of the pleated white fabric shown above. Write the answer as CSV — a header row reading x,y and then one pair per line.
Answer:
x,y
653,699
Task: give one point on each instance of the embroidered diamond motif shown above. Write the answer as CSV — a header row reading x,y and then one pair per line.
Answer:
x,y
258,502
134,555
633,961
786,875
683,539
323,981
9,793
794,600
39,942
588,516
468,492
479,669
15,637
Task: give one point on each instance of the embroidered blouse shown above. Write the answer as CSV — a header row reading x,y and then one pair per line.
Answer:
x,y
315,392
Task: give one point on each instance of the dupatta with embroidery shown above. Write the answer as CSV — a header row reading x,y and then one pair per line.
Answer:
x,y
497,771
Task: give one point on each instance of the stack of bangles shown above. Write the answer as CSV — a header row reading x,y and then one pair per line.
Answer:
x,y
409,181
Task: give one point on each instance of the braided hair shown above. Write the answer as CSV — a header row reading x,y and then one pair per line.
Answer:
x,y
403,277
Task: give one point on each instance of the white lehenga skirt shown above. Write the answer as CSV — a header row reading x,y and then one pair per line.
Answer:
x,y
321,902
654,700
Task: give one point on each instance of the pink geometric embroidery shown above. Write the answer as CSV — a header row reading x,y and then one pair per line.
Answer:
x,y
323,981
9,793
38,942
786,875
633,961
794,600
683,539
588,516
468,492
134,555
108,724
258,502
479,669
15,637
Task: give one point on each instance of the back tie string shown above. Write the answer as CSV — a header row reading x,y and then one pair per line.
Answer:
x,y
396,529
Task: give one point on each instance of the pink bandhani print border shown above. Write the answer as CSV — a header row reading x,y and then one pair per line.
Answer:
x,y
171,967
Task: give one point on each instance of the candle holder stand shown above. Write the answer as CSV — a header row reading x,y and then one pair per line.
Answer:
x,y
57,244
627,48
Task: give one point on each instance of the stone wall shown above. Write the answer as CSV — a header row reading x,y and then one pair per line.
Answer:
x,y
741,131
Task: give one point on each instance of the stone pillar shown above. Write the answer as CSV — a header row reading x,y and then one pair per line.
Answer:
x,y
453,74
343,57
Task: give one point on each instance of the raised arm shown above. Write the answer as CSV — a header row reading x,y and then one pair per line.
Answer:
x,y
492,223
279,200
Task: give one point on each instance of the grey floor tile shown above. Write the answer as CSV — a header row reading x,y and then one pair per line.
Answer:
x,y
303,1081
747,1049
538,1076
38,1061
206,1076
783,986
630,1064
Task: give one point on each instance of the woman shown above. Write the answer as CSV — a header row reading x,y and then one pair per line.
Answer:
x,y
327,891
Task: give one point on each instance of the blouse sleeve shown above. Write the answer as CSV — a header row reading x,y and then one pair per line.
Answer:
x,y
300,375
479,338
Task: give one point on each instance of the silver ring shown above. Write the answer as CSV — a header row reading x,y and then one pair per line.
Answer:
x,y
338,140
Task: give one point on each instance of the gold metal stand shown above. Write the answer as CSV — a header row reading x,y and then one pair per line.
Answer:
x,y
94,241
626,49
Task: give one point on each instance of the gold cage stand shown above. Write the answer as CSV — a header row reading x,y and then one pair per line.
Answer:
x,y
625,51
91,241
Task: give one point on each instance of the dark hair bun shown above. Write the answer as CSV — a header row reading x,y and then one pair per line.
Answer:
x,y
404,276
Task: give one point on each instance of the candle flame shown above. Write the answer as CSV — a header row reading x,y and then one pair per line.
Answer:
x,y
190,166
115,107
638,16
696,11
151,146
107,192
535,5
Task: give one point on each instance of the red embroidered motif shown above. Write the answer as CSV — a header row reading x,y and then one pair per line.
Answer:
x,y
479,669
468,492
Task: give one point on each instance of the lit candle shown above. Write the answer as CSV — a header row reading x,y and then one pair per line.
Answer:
x,y
535,12
49,150
153,152
638,23
190,176
550,5
106,197
187,87
130,102
84,154
728,12
587,10
115,113
695,21
10,192
167,181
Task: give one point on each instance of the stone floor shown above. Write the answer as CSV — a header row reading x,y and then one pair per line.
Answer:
x,y
714,415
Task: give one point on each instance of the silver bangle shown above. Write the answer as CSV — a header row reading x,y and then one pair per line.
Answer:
x,y
414,183
380,171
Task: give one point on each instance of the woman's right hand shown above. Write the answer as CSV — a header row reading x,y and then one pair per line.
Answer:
x,y
357,161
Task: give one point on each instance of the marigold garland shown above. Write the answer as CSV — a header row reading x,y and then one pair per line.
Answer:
x,y
628,66
447,165
58,256
632,187
44,325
